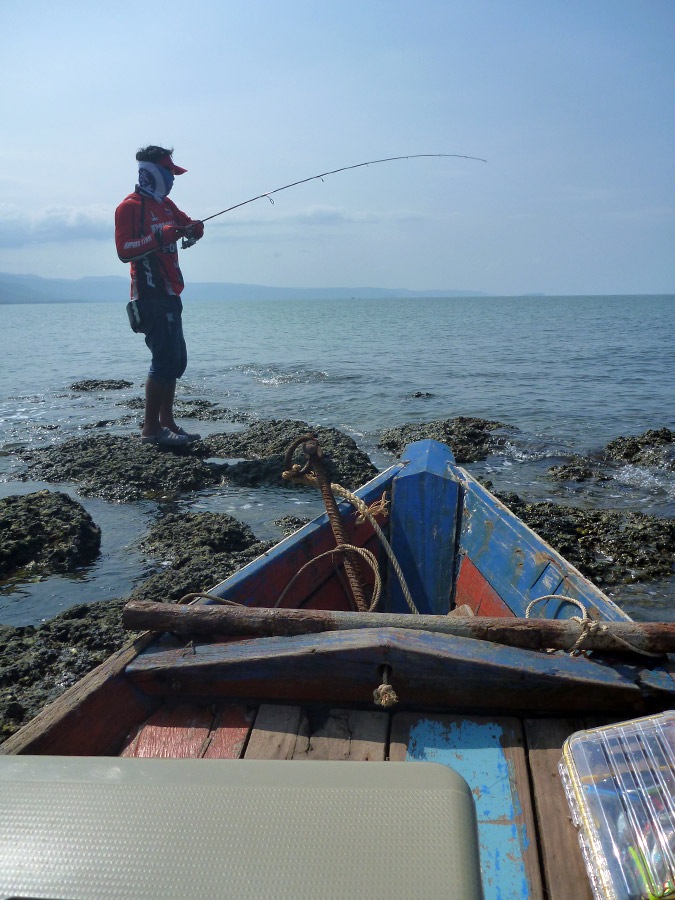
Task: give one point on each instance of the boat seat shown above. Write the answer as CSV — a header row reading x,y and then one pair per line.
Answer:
x,y
108,827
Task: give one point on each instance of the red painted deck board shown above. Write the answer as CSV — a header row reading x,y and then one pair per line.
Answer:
x,y
173,732
231,728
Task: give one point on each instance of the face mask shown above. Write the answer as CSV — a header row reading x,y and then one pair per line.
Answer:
x,y
168,178
153,180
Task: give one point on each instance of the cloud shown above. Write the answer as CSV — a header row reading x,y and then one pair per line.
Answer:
x,y
19,227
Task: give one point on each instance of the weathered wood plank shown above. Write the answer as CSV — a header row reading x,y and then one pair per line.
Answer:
x,y
291,732
519,564
275,732
563,866
424,513
229,732
530,634
343,734
489,754
426,670
177,731
93,716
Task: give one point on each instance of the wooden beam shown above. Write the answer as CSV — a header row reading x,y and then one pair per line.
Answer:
x,y
528,634
425,670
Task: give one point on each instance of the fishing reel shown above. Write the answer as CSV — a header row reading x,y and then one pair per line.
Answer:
x,y
188,240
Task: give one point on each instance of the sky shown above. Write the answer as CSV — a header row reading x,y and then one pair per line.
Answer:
x,y
570,102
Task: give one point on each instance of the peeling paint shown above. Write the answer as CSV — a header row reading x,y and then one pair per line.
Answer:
x,y
474,749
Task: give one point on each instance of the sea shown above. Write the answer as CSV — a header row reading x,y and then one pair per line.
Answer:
x,y
565,374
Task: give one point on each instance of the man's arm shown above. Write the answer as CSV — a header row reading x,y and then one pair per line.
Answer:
x,y
132,241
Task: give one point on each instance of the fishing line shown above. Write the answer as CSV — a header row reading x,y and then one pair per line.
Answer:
x,y
322,175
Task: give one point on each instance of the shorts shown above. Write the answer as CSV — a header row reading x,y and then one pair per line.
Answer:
x,y
163,328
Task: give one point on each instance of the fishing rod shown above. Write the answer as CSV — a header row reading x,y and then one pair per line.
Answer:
x,y
189,240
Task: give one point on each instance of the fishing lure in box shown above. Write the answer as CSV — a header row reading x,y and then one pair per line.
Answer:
x,y
620,785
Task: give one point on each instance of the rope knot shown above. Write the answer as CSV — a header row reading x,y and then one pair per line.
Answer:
x,y
587,628
385,695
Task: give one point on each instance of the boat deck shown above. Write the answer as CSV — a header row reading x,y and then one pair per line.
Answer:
x,y
529,847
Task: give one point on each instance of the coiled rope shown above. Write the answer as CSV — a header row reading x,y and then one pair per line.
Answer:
x,y
342,548
365,513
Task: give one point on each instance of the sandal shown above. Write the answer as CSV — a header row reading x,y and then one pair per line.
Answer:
x,y
166,438
190,437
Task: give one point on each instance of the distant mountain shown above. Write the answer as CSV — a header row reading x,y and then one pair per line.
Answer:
x,y
32,289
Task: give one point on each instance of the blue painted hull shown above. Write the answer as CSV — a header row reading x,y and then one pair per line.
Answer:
x,y
456,543
496,714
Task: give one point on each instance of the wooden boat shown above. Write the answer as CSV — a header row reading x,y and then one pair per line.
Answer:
x,y
484,651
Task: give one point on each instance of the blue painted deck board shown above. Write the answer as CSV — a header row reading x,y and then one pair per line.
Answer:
x,y
488,753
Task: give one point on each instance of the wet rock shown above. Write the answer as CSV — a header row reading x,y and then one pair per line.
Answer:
x,y
121,468
197,550
578,469
45,533
178,536
134,403
264,444
206,411
195,575
290,524
37,664
98,385
653,448
608,547
469,438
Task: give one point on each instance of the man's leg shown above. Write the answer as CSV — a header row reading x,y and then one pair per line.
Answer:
x,y
166,419
154,391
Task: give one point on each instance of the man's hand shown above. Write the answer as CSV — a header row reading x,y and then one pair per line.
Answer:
x,y
169,234
193,232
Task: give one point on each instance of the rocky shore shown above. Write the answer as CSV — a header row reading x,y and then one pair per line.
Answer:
x,y
48,531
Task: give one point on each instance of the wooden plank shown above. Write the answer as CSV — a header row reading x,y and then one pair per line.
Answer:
x,y
489,754
229,732
563,866
291,732
519,564
343,734
93,716
274,733
426,670
424,512
176,731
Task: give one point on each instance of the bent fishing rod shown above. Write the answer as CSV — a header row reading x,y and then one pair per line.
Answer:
x,y
188,241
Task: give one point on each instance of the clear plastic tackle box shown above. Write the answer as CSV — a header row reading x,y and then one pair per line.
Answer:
x,y
620,785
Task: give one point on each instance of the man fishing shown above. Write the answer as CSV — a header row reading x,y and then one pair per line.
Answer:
x,y
147,227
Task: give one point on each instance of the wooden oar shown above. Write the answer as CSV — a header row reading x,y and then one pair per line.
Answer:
x,y
530,634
